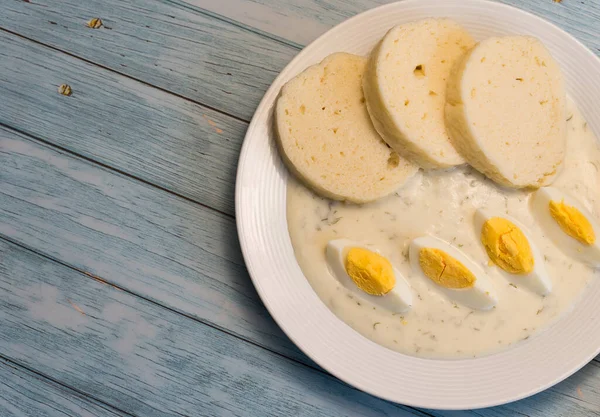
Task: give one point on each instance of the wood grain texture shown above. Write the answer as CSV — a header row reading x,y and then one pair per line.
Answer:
x,y
25,394
133,235
152,135
150,361
300,22
166,43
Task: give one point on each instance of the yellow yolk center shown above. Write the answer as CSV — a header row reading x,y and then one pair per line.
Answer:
x,y
370,271
445,270
572,222
507,246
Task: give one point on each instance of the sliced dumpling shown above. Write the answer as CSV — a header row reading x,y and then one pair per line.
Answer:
x,y
405,88
326,136
505,111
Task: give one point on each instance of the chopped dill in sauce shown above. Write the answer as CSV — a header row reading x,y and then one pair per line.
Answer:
x,y
390,224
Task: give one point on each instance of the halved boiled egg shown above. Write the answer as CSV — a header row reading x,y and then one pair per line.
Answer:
x,y
453,273
568,224
509,245
369,275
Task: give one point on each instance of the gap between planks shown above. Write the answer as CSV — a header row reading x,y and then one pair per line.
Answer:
x,y
44,270
47,267
114,71
104,165
216,199
181,4
280,18
173,144
158,43
52,383
179,313
149,300
236,23
114,169
136,80
159,304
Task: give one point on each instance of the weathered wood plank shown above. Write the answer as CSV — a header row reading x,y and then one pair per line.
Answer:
x,y
140,238
137,129
150,361
165,43
25,394
300,22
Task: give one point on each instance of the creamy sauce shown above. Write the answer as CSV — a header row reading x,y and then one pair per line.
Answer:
x,y
442,204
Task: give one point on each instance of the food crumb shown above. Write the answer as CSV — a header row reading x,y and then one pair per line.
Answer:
x,y
65,90
95,23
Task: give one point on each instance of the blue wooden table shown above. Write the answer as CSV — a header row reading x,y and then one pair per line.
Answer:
x,y
122,288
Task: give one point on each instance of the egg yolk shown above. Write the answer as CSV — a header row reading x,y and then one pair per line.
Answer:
x,y
572,222
370,271
507,246
445,270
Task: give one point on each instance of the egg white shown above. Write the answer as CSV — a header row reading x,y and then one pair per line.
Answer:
x,y
398,300
570,246
537,280
481,296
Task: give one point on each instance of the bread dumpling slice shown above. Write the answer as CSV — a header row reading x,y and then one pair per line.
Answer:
x,y
505,111
405,88
327,139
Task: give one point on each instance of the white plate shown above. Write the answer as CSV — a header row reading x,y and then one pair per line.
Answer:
x,y
261,218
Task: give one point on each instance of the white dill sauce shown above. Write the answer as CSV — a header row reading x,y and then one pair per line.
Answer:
x,y
442,204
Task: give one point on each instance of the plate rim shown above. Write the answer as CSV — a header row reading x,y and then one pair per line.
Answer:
x,y
265,104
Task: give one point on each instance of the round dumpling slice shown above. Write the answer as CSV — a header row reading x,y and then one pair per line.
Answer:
x,y
327,139
405,88
505,111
